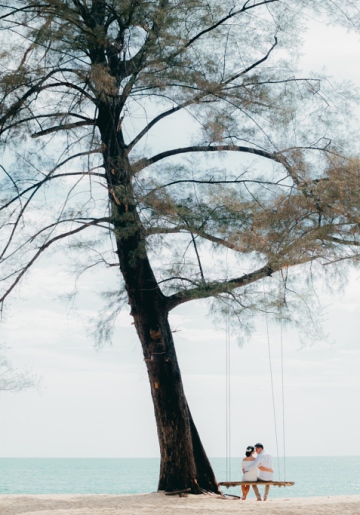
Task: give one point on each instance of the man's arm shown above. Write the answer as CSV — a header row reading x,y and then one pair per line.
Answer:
x,y
253,464
265,469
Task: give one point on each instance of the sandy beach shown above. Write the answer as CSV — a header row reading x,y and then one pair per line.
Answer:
x,y
162,504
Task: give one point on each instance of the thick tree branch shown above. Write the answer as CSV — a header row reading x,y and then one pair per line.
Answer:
x,y
252,66
214,288
225,181
277,157
48,116
342,241
65,127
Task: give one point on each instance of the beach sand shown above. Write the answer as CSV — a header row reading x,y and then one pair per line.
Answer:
x,y
161,504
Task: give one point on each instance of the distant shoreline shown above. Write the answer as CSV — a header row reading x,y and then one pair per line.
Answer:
x,y
160,504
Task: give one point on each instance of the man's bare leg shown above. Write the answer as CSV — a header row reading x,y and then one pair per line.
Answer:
x,y
257,493
266,493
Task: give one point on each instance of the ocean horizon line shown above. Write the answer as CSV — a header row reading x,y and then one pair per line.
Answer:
x,y
275,456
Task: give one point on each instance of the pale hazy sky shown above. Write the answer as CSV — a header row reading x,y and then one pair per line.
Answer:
x,y
97,403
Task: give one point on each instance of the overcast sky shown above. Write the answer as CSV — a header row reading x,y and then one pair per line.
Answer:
x,y
96,403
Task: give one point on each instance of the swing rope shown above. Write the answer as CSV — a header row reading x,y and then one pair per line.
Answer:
x,y
228,400
272,390
282,392
283,396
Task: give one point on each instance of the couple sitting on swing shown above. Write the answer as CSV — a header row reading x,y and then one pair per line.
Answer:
x,y
256,469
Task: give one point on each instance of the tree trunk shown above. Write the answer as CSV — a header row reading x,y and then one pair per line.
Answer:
x,y
184,463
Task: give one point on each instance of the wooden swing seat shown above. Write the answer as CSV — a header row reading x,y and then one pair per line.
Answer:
x,y
228,484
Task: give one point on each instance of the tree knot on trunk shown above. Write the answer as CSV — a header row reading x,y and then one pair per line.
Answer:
x,y
155,334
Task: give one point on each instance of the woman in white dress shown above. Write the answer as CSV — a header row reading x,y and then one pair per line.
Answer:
x,y
250,475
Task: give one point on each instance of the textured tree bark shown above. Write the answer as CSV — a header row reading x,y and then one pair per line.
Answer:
x,y
184,463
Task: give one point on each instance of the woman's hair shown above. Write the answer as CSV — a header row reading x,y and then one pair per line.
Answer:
x,y
249,451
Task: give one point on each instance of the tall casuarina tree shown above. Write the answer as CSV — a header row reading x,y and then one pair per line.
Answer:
x,y
258,164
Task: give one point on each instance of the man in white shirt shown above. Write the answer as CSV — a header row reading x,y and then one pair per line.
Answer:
x,y
264,463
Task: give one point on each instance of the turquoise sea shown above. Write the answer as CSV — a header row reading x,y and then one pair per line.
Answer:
x,y
313,476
